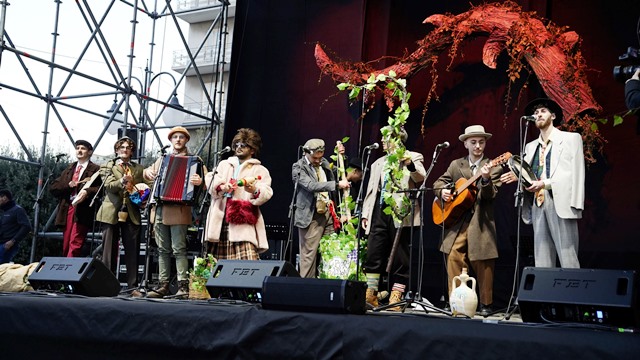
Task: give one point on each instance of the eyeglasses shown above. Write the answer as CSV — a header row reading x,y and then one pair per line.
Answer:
x,y
240,145
124,147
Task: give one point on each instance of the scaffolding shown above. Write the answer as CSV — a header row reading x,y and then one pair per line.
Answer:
x,y
120,84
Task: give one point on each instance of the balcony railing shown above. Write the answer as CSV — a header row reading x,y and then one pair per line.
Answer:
x,y
202,109
207,56
194,4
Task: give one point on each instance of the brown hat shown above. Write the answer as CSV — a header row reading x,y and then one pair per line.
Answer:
x,y
474,130
123,140
179,129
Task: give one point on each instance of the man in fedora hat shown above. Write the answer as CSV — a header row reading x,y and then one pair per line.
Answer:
x,y
471,241
381,227
316,194
76,220
170,224
120,177
556,158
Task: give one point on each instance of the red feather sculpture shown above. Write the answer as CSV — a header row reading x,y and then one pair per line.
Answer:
x,y
549,51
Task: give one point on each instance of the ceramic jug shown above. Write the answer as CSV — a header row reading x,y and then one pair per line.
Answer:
x,y
463,300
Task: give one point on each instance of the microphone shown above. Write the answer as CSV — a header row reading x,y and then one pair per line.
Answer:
x,y
443,145
164,149
59,156
372,146
529,118
225,150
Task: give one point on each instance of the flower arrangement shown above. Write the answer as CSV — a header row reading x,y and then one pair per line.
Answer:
x,y
199,275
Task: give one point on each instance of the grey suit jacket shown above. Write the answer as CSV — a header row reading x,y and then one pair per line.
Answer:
x,y
308,186
567,173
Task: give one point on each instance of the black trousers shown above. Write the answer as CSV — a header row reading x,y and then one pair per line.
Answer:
x,y
131,243
381,235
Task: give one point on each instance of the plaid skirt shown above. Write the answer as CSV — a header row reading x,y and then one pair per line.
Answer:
x,y
238,250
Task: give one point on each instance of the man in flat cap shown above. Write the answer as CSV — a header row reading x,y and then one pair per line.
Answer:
x,y
316,194
470,239
553,203
171,221
74,214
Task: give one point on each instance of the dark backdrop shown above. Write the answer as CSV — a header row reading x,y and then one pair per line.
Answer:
x,y
276,88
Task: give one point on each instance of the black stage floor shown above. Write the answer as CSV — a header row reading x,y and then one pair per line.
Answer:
x,y
54,326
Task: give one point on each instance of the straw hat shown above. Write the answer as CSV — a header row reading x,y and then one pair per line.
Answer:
x,y
474,130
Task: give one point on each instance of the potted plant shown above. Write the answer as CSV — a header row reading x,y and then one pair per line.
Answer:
x,y
199,275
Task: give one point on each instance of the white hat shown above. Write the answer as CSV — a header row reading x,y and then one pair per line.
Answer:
x,y
474,130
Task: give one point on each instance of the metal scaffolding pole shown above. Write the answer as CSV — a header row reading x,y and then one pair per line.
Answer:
x,y
119,84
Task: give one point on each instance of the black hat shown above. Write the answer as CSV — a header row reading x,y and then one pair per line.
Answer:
x,y
85,143
7,193
549,104
356,163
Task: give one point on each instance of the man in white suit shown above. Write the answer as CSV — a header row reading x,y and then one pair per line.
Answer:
x,y
554,203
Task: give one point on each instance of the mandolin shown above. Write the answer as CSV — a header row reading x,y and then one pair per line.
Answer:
x,y
464,196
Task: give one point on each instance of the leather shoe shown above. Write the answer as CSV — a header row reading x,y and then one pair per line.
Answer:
x,y
136,294
485,310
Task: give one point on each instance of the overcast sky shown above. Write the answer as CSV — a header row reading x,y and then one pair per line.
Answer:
x,y
30,24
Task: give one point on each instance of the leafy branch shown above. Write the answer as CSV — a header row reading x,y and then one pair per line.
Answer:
x,y
398,204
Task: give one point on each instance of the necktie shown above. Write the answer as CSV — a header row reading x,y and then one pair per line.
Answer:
x,y
76,177
76,174
473,169
542,166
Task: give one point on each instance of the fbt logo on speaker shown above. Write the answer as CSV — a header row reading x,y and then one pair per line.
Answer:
x,y
244,271
572,283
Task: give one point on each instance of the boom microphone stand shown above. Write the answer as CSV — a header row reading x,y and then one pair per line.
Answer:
x,y
519,202
358,209
207,196
292,215
410,297
147,214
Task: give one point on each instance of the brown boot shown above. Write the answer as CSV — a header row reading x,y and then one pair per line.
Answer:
x,y
183,289
372,298
395,297
161,291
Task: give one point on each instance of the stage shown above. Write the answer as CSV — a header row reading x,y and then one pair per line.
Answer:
x,y
54,326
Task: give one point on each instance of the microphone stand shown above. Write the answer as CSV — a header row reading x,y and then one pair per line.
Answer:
x,y
39,198
519,203
147,214
358,209
410,297
292,212
205,199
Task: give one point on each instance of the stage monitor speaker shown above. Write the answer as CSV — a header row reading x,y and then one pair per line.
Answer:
x,y
592,296
242,279
314,295
82,276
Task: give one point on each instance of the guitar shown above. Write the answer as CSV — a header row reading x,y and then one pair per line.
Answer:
x,y
464,196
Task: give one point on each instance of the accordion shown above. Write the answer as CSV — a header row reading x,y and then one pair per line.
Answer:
x,y
173,185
